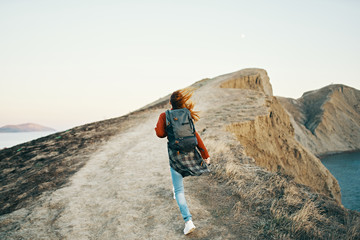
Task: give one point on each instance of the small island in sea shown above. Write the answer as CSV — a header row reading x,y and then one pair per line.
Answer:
x,y
26,127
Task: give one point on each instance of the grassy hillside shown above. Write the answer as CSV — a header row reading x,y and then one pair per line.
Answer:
x,y
109,179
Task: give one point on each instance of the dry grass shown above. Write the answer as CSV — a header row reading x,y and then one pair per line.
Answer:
x,y
274,205
282,208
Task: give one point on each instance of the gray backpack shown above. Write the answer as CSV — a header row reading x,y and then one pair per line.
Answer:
x,y
180,130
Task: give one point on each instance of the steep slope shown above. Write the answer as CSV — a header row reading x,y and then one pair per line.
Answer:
x,y
269,139
121,188
327,120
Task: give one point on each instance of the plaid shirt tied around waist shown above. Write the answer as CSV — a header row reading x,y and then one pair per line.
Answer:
x,y
187,163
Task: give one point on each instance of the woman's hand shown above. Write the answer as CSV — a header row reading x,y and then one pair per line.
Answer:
x,y
207,160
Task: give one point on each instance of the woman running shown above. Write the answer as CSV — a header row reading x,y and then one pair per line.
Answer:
x,y
182,163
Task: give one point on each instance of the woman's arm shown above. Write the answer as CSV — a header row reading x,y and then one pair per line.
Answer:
x,y
160,126
203,151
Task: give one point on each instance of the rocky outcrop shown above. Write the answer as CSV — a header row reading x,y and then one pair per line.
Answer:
x,y
326,120
270,140
251,78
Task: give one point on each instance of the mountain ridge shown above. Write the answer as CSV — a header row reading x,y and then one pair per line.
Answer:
x,y
326,120
110,179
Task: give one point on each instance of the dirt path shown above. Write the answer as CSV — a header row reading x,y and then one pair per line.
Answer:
x,y
123,192
114,195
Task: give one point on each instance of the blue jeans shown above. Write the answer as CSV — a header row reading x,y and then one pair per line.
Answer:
x,y
177,181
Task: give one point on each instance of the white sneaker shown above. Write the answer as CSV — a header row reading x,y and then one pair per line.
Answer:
x,y
189,227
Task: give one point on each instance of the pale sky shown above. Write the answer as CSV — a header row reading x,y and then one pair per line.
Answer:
x,y
67,63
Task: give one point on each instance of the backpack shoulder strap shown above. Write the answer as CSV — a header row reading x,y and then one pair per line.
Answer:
x,y
191,121
167,114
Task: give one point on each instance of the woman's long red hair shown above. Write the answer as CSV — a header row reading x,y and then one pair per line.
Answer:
x,y
180,99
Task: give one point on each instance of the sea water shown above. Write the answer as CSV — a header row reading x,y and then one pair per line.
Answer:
x,y
11,139
345,167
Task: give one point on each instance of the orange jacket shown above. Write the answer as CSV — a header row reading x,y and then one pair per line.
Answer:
x,y
160,130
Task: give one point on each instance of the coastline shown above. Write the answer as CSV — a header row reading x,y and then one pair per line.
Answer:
x,y
345,168
328,154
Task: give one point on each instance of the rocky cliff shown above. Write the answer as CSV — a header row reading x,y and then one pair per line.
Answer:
x,y
326,120
269,139
254,79
110,179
